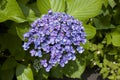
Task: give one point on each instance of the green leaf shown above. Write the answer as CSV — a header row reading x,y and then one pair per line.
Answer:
x,y
11,11
57,5
105,2
27,11
7,40
111,77
9,64
81,68
57,72
116,16
31,16
109,39
21,29
113,52
13,43
7,74
74,69
43,6
90,31
87,45
103,22
112,3
115,38
24,73
42,75
83,9
34,7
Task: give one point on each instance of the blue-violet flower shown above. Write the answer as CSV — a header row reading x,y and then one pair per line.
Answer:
x,y
57,35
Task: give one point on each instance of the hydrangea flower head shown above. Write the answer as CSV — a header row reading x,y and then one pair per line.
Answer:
x,y
57,35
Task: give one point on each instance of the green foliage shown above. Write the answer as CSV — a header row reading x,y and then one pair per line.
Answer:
x,y
28,12
24,73
57,5
7,64
115,38
6,41
90,31
83,9
21,29
72,69
7,74
11,11
75,69
43,6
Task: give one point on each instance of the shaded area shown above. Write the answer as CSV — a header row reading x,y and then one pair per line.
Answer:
x,y
92,74
89,74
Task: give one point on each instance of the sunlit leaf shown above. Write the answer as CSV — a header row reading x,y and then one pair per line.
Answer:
x,y
90,31
105,2
11,11
21,29
115,38
27,11
81,68
57,5
83,9
54,5
109,40
24,73
43,6
112,3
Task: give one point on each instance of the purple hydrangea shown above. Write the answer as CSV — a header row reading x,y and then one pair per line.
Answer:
x,y
57,35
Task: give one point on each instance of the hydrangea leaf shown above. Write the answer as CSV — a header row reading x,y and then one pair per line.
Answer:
x,y
42,76
43,6
115,38
7,74
57,72
57,5
74,69
81,68
11,38
35,10
83,9
27,11
7,40
21,29
90,31
24,73
8,62
11,11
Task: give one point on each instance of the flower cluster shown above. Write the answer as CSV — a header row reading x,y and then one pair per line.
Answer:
x,y
57,35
